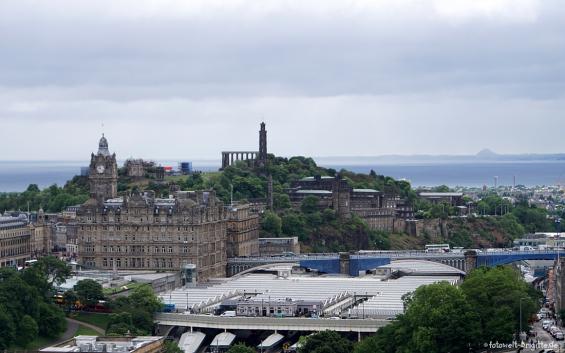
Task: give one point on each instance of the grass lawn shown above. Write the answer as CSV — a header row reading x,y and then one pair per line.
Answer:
x,y
41,342
96,319
87,331
130,286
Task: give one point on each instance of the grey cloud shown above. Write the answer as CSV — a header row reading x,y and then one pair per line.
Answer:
x,y
383,77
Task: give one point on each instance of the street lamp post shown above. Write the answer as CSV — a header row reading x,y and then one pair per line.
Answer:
x,y
366,296
521,317
557,236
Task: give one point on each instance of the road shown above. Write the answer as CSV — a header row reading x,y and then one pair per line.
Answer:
x,y
544,341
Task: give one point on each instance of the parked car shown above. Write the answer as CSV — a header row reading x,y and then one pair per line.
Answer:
x,y
559,335
546,324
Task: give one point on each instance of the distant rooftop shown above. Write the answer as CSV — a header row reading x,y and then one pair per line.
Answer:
x,y
320,192
105,344
441,194
10,221
365,190
311,178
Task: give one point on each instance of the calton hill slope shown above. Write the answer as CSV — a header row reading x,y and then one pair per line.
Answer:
x,y
319,230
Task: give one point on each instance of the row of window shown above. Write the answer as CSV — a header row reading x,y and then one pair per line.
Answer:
x,y
17,250
136,262
12,242
18,233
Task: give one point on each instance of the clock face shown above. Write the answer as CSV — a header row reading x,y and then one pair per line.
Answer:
x,y
100,168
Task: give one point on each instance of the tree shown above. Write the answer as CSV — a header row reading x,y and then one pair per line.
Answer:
x,y
172,347
51,321
88,291
271,223
7,329
310,204
70,298
135,312
496,293
326,342
240,348
142,321
281,201
144,298
119,323
56,270
293,224
27,331
438,319
120,329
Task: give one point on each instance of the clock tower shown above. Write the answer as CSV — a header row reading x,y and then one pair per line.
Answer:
x,y
103,173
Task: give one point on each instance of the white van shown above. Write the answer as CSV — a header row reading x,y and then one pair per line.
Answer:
x,y
228,313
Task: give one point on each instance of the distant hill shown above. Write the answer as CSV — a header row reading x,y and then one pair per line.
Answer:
x,y
486,153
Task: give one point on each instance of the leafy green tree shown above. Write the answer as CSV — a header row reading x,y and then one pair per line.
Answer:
x,y
142,320
495,294
88,291
326,342
532,218
240,348
143,297
293,224
441,188
7,329
172,347
27,331
70,298
310,204
134,313
56,270
281,201
271,223
51,321
442,210
26,308
438,319
120,329
389,339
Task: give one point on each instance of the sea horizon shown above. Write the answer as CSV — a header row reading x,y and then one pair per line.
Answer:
x,y
15,176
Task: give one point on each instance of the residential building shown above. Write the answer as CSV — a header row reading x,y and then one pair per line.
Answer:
x,y
140,231
278,246
242,231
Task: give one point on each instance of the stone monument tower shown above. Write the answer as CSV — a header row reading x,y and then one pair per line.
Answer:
x,y
262,155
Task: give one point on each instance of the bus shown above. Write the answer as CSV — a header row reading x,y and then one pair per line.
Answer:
x,y
29,263
437,248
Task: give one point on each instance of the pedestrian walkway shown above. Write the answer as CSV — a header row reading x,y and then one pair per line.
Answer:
x,y
85,324
72,327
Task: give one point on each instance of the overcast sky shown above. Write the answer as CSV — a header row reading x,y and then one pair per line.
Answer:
x,y
188,79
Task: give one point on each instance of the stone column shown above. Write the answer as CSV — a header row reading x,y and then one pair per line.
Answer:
x,y
344,260
470,260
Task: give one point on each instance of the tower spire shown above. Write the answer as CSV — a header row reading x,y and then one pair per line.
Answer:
x,y
262,157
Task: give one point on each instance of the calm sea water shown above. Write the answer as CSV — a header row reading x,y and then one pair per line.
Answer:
x,y
470,174
16,176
